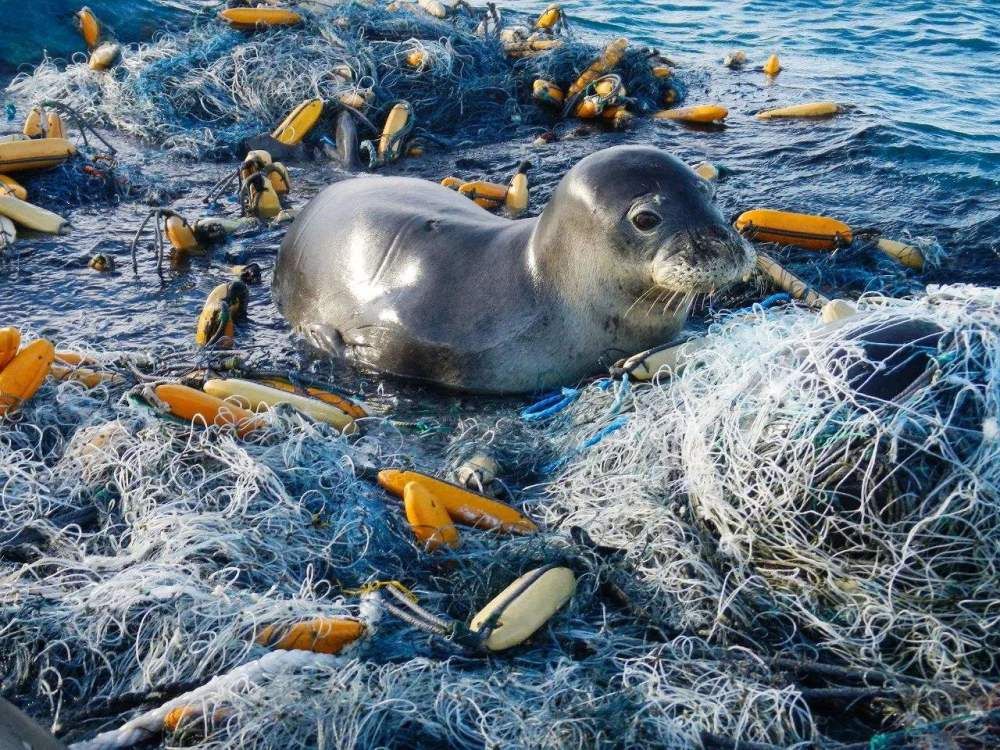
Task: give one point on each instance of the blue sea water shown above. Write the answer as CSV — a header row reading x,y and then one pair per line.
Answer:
x,y
916,155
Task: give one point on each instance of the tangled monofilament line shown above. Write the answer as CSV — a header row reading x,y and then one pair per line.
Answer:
x,y
758,495
202,91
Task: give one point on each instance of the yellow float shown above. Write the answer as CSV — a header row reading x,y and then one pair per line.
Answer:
x,y
700,114
26,155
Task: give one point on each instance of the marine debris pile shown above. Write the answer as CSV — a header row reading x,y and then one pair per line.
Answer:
x,y
751,547
774,535
202,91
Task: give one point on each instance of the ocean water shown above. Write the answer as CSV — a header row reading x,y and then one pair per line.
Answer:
x,y
917,155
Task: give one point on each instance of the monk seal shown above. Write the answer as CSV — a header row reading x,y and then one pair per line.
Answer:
x,y
412,279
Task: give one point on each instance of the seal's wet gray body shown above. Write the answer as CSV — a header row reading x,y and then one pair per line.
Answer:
x,y
413,279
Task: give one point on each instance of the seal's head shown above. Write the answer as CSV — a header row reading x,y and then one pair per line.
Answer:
x,y
655,215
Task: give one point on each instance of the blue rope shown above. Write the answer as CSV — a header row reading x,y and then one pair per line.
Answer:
x,y
590,442
550,405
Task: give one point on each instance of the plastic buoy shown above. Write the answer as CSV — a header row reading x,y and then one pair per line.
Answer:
x,y
706,170
549,17
810,109
30,216
352,408
254,396
105,56
10,186
908,255
249,19
322,635
836,309
668,359
517,612
25,155
298,123
398,119
193,405
773,66
10,342
24,374
428,519
735,59
789,282
417,58
34,123
463,505
89,26
216,318
701,113
516,199
788,228
547,92
434,7
54,125
608,59
85,376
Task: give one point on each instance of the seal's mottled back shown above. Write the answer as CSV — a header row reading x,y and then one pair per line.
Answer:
x,y
412,279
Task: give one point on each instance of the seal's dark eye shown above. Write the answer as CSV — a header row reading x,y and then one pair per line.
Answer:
x,y
645,220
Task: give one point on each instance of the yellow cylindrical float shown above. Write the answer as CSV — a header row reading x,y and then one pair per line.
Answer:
x,y
700,113
417,58
255,396
516,199
89,26
27,155
191,404
609,58
105,56
321,635
352,408
836,309
34,123
249,19
24,374
299,122
517,612
54,125
398,119
30,216
671,360
180,235
773,66
549,17
706,170
464,506
434,7
908,255
10,342
789,282
10,186
547,92
810,109
788,228
429,520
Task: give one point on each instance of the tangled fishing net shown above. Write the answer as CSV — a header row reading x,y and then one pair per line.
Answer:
x,y
754,542
200,92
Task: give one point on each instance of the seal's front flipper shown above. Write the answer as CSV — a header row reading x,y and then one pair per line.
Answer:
x,y
325,338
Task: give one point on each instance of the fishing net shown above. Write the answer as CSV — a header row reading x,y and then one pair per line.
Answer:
x,y
200,92
753,540
763,499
